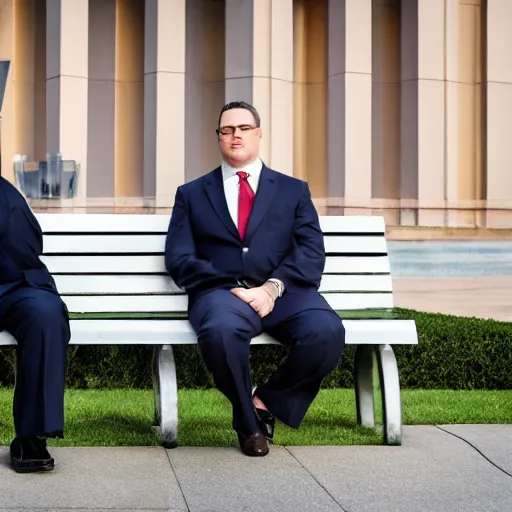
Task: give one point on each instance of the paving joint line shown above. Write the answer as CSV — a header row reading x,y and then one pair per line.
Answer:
x,y
316,480
476,449
177,479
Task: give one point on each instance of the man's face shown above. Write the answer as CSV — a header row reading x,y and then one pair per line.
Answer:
x,y
239,138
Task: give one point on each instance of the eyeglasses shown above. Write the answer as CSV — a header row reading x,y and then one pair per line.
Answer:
x,y
230,130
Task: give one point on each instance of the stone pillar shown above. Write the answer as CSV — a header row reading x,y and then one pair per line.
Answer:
x,y
129,98
164,99
67,32
102,90
349,153
423,112
499,112
259,70
7,116
386,108
204,85
464,124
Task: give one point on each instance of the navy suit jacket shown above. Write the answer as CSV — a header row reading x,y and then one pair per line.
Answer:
x,y
21,244
284,240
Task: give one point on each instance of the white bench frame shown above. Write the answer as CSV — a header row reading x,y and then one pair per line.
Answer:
x,y
114,263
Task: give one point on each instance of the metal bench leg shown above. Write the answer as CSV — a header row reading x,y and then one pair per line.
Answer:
x,y
363,366
390,389
165,395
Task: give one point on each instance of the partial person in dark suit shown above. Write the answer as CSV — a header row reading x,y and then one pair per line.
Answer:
x,y
245,243
33,312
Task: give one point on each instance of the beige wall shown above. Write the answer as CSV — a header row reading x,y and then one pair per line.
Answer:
x,y
394,106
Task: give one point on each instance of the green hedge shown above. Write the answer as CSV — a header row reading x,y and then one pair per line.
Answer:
x,y
453,353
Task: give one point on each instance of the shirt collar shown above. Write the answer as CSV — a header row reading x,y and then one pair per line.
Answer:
x,y
254,169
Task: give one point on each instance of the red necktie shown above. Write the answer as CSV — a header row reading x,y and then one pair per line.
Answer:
x,y
245,202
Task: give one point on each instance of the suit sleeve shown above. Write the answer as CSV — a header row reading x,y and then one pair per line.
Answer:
x,y
305,263
187,270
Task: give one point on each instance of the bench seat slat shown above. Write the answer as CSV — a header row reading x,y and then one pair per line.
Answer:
x,y
151,332
158,223
105,284
155,264
178,303
155,244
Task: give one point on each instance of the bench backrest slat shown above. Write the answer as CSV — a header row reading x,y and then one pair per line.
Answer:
x,y
115,263
154,264
132,223
178,303
155,244
143,284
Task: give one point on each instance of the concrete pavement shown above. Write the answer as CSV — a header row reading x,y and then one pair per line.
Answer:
x,y
455,468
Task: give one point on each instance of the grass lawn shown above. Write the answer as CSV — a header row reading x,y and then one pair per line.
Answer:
x,y
123,416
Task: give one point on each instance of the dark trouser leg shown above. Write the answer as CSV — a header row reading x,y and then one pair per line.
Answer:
x,y
316,339
225,326
39,322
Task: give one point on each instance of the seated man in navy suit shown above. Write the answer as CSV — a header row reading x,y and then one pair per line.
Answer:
x,y
245,243
32,311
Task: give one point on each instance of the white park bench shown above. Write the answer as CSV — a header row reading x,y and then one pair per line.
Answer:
x,y
114,263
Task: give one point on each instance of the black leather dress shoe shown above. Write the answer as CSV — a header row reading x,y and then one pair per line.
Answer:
x,y
267,422
29,455
253,445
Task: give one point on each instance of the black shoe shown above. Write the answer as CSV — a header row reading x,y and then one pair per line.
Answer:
x,y
29,455
266,422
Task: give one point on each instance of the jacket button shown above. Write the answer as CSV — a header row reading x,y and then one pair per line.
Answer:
x,y
245,249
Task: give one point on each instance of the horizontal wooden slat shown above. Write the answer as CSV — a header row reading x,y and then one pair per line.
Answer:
x,y
128,264
178,303
102,223
104,244
353,224
162,332
355,244
94,284
133,244
357,265
158,223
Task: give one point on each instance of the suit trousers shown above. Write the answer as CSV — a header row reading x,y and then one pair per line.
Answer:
x,y
39,322
225,325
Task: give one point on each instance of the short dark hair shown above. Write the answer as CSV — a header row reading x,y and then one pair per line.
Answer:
x,y
245,106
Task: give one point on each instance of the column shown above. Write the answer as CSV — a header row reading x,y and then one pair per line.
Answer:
x,y
259,70
23,69
499,113
129,98
102,90
310,94
349,153
7,113
423,112
386,107
164,99
67,25
204,86
465,135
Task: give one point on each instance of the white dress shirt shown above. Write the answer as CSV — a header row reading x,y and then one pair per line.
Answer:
x,y
232,187
231,190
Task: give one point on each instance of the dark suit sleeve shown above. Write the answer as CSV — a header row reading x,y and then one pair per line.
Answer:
x,y
187,270
305,263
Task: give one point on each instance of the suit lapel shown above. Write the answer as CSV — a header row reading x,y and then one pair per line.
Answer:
x,y
267,188
215,191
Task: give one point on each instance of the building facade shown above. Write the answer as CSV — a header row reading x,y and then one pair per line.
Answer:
x,y
400,107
